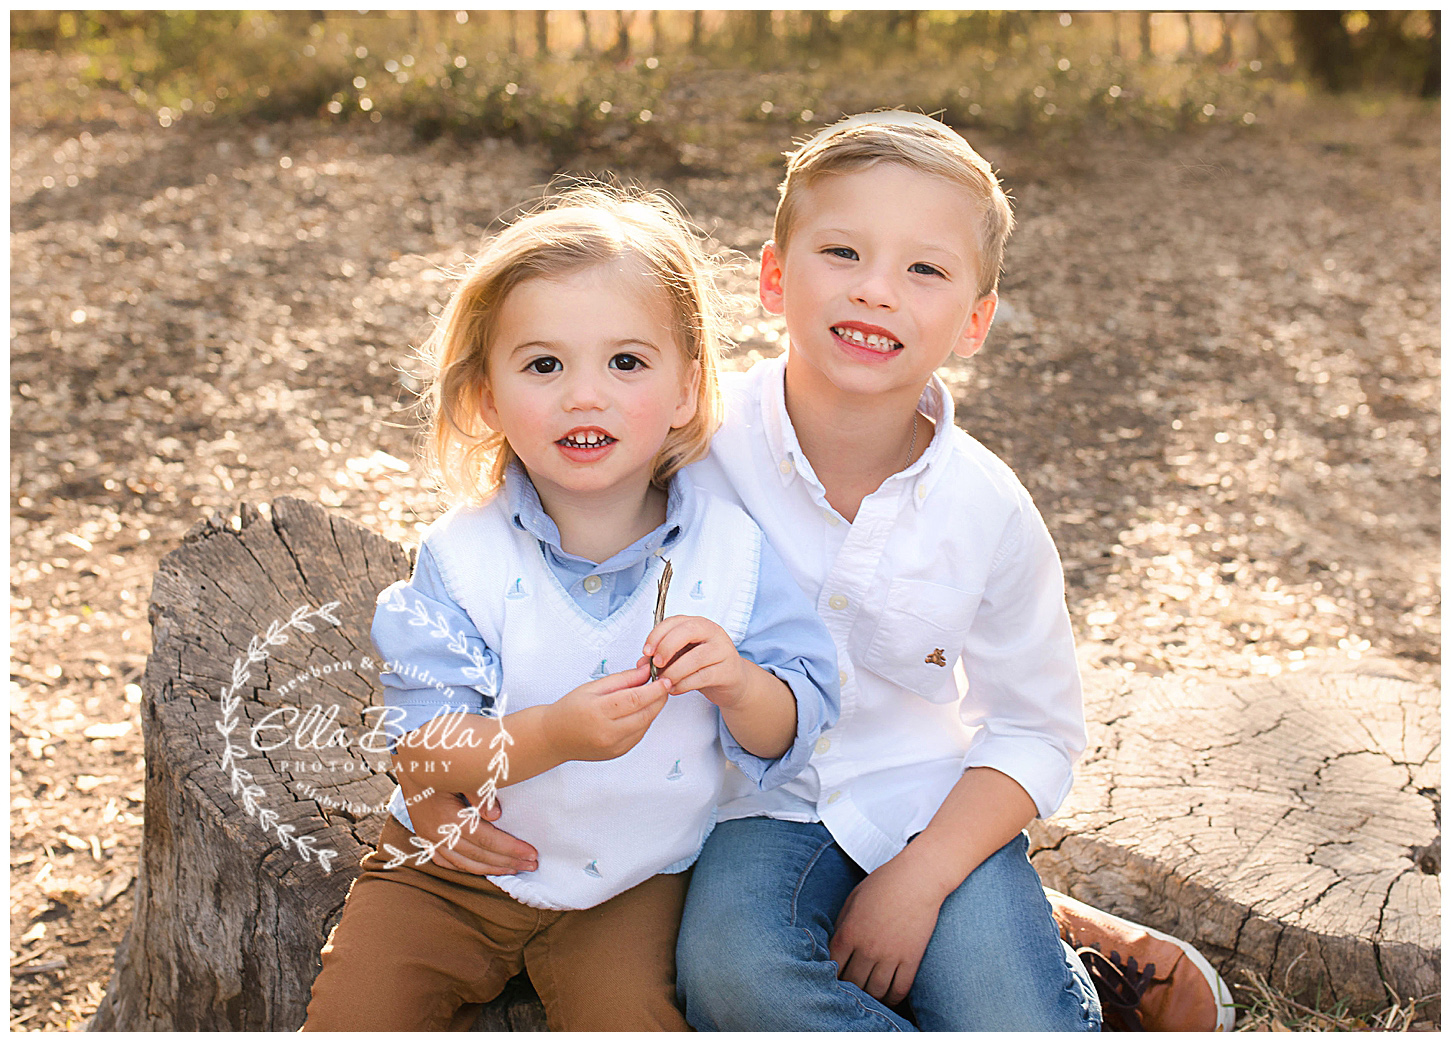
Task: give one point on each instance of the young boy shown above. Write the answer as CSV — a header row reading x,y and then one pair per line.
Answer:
x,y
893,871
895,867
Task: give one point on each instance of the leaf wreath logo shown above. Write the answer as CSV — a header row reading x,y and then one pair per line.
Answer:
x,y
233,754
450,832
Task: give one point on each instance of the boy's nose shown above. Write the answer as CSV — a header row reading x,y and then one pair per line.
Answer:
x,y
875,290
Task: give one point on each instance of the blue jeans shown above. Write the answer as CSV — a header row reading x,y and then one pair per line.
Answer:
x,y
763,902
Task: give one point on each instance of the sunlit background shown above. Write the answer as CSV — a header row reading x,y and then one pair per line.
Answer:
x,y
1216,365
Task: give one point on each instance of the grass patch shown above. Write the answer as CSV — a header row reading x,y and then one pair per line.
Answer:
x,y
485,76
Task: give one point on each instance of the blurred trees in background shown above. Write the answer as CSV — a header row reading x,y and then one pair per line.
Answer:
x,y
572,78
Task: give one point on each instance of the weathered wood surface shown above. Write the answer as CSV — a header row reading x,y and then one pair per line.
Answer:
x,y
228,918
1284,826
230,913
1287,826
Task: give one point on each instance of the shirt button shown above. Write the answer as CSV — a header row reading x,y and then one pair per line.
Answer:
x,y
786,467
823,744
592,584
841,676
833,797
921,491
837,601
831,518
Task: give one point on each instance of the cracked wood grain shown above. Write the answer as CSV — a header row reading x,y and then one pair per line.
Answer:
x,y
228,925
1285,826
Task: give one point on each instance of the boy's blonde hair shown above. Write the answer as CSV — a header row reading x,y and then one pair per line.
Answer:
x,y
915,141
567,233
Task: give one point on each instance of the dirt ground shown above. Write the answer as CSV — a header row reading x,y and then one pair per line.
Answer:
x,y
1216,366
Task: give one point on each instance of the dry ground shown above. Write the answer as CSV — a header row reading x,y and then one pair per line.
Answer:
x,y
1216,367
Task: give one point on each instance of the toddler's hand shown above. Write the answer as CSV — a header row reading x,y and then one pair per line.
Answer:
x,y
695,654
482,849
605,718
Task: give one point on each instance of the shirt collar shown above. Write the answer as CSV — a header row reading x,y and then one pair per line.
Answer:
x,y
936,404
527,515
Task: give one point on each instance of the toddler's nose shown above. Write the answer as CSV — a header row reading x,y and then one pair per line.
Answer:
x,y
583,392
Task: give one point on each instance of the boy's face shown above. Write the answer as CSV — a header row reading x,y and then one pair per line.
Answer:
x,y
879,285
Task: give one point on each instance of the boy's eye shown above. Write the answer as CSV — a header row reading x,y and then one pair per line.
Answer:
x,y
544,365
844,252
925,269
627,363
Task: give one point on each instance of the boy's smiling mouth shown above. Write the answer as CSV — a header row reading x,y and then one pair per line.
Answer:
x,y
873,338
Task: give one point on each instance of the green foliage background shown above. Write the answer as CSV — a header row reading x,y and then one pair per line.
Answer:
x,y
575,81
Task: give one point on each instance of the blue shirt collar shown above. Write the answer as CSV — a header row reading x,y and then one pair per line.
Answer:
x,y
527,515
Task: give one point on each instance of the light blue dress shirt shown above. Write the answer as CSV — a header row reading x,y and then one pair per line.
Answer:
x,y
784,636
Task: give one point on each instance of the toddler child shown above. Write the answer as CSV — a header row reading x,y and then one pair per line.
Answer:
x,y
575,377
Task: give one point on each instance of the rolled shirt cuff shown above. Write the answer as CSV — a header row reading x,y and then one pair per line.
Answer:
x,y
769,773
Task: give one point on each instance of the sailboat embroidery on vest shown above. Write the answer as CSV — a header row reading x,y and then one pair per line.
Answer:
x,y
600,670
517,590
675,773
698,590
592,869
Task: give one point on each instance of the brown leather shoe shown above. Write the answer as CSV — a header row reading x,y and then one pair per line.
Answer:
x,y
1146,980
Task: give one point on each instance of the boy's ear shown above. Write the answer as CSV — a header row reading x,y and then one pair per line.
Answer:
x,y
978,324
689,397
771,297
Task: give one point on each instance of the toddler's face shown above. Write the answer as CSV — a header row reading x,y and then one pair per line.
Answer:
x,y
586,379
878,284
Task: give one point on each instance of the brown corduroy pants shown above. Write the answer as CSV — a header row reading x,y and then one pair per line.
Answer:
x,y
420,946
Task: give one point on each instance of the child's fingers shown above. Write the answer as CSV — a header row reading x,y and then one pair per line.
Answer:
x,y
693,669
613,682
667,640
641,719
623,704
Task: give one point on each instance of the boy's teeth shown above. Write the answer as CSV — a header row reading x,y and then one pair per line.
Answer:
x,y
872,340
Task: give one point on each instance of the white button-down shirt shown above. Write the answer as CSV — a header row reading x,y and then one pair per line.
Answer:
x,y
945,599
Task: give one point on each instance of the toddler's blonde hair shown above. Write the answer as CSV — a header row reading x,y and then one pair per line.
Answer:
x,y
915,141
574,230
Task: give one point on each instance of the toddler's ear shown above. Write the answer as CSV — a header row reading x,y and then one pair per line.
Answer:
x,y
689,396
978,324
487,409
771,298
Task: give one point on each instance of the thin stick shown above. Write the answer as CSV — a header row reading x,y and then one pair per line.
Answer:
x,y
660,608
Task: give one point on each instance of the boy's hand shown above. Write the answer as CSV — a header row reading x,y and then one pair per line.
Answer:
x,y
695,654
481,849
883,930
605,718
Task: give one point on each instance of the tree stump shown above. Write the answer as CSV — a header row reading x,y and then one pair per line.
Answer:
x,y
1289,827
242,876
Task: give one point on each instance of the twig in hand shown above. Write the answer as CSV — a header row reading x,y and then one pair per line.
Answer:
x,y
660,608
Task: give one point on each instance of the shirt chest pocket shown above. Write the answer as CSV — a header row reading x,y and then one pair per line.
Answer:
x,y
920,635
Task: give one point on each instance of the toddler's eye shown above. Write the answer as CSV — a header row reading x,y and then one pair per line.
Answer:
x,y
543,365
926,269
844,252
627,363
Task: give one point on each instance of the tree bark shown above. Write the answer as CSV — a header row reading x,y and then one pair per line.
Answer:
x,y
230,915
1288,826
